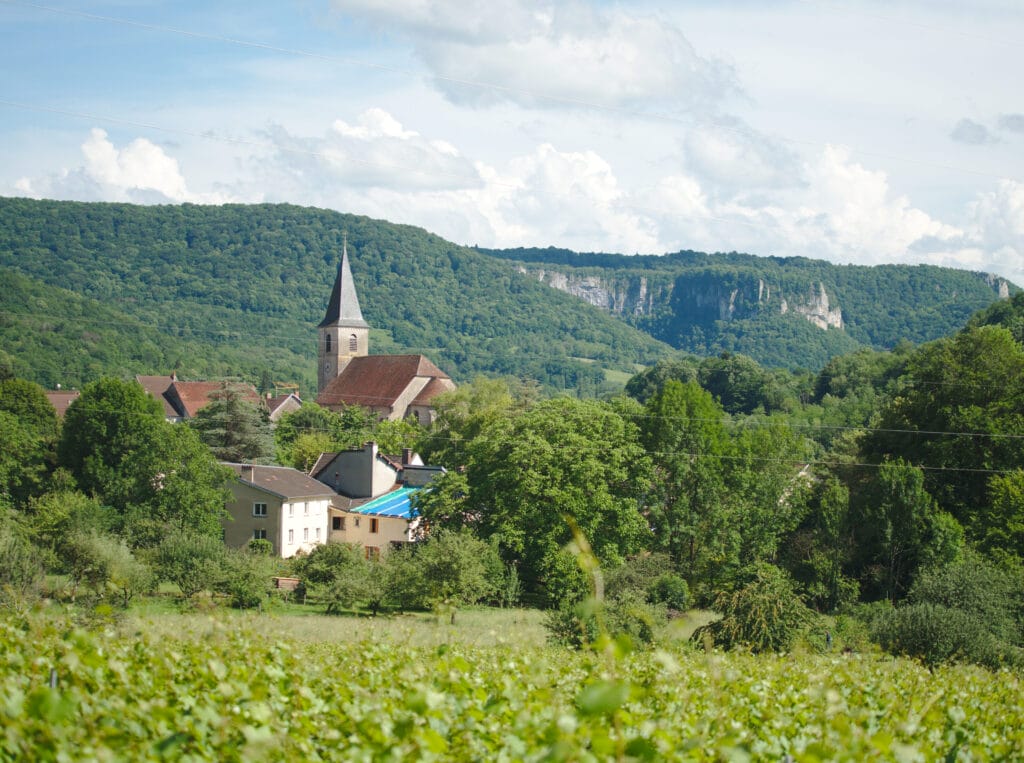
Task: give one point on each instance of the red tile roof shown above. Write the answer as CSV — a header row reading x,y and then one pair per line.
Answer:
x,y
434,388
377,380
158,386
60,400
192,397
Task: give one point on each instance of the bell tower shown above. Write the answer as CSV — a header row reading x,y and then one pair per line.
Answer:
x,y
343,334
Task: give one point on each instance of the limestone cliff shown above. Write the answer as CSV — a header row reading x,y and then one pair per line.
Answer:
x,y
703,297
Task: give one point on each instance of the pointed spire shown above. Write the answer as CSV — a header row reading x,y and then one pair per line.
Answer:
x,y
343,309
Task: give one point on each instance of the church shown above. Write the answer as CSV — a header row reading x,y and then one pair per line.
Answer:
x,y
392,386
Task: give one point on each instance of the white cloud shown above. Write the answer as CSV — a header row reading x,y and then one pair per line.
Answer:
x,y
732,157
140,172
374,152
547,54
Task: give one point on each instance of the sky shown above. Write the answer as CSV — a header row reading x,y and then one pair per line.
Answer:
x,y
855,132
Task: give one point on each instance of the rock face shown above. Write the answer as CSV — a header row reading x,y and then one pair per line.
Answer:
x,y
629,295
703,297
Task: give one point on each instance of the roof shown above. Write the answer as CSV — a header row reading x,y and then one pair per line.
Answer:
x,y
60,400
282,481
157,386
192,397
343,309
377,380
434,388
397,503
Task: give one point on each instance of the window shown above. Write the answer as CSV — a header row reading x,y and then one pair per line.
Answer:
x,y
305,533
305,509
337,523
259,534
374,524
357,521
318,533
372,552
291,509
259,509
327,343
291,536
353,343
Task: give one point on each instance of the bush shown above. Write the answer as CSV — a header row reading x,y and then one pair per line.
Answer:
x,y
935,634
192,562
974,585
21,572
245,578
672,591
578,625
764,615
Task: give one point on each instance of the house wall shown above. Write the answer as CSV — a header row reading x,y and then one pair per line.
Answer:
x,y
304,524
291,526
358,473
400,407
358,530
239,530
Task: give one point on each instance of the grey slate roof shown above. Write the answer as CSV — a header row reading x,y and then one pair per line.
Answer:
x,y
343,309
281,481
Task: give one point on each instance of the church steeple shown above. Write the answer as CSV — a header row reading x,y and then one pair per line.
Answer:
x,y
343,334
343,309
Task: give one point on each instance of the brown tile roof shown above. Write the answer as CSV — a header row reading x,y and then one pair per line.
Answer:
x,y
377,380
60,400
192,397
158,386
434,388
282,481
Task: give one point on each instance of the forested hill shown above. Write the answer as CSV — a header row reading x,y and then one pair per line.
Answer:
x,y
782,311
213,291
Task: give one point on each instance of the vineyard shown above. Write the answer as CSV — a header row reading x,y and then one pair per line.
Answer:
x,y
228,692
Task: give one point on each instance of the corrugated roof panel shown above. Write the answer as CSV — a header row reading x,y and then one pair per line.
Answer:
x,y
397,503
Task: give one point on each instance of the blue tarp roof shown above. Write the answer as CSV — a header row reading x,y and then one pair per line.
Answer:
x,y
397,503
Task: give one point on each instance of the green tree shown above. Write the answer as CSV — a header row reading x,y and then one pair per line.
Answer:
x,y
234,429
110,421
27,402
192,561
562,462
900,527
23,460
689,511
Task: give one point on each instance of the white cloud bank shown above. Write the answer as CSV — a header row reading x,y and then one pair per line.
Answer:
x,y
139,172
550,54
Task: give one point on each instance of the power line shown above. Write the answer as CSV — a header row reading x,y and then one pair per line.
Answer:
x,y
479,84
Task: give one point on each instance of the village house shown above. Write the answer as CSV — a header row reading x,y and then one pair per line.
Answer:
x,y
183,400
279,504
374,502
60,399
392,386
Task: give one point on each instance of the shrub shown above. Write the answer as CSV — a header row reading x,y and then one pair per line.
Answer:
x,y
934,634
192,562
764,615
578,625
671,590
245,578
974,585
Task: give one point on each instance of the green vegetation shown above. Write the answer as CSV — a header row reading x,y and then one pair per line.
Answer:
x,y
236,291
707,304
230,692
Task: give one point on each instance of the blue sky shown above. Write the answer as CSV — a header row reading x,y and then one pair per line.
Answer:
x,y
850,131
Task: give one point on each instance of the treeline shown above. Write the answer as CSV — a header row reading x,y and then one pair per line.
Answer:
x,y
885,492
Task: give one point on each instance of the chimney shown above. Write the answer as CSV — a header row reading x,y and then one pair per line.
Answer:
x,y
248,472
406,456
